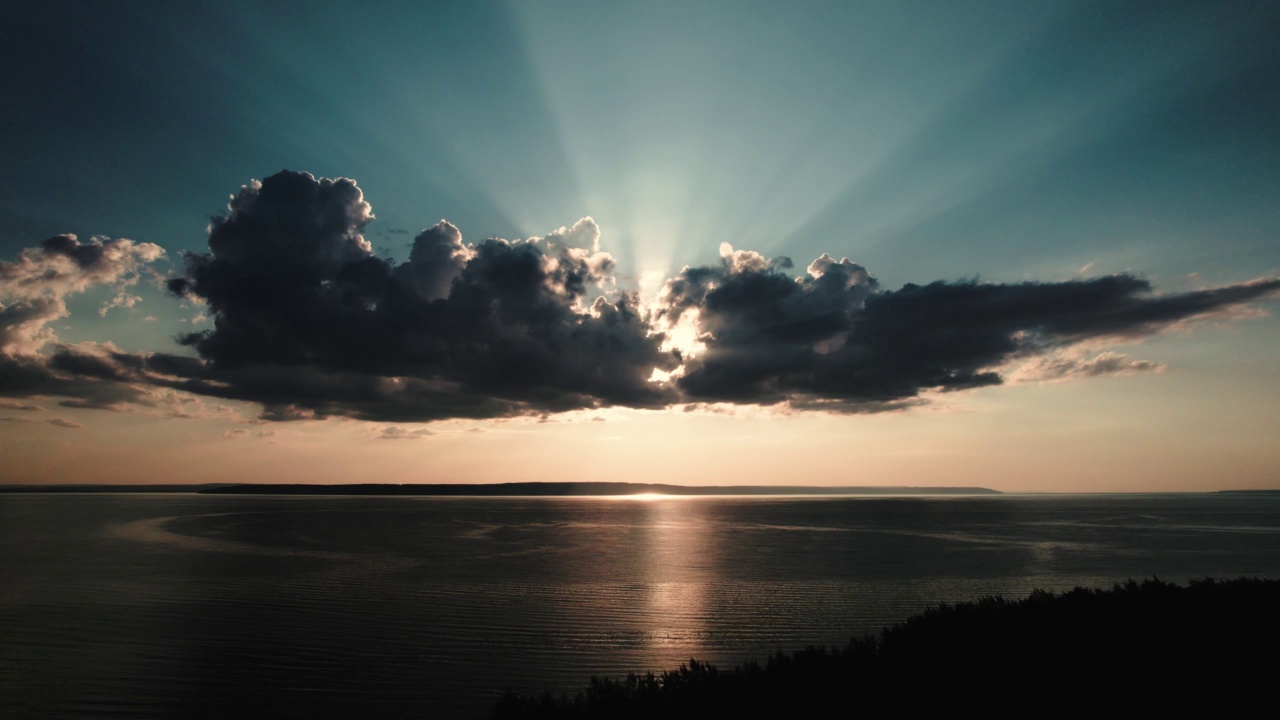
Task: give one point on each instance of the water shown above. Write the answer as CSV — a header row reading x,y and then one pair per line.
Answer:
x,y
162,605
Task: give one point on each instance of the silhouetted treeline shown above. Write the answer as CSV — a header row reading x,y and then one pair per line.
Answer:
x,y
1139,647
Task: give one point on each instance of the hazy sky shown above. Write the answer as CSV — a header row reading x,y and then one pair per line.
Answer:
x,y
1030,246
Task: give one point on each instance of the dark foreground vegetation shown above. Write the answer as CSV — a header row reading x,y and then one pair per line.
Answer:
x,y
1153,646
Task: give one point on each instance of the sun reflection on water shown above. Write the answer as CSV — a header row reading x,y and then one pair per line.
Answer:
x,y
678,568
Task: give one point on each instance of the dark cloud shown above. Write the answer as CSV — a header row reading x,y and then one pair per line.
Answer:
x,y
103,386
99,376
437,257
308,323
834,340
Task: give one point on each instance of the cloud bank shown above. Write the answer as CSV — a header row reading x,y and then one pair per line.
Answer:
x,y
835,338
309,323
33,294
33,290
308,320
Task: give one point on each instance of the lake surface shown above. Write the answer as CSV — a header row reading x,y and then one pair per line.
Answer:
x,y
163,605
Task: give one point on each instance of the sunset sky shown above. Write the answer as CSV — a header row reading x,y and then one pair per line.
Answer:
x,y
1027,246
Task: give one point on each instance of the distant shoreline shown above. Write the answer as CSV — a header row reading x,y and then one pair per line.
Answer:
x,y
520,489
558,489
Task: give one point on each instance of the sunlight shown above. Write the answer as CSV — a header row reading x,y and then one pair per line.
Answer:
x,y
685,335
652,282
649,496
676,581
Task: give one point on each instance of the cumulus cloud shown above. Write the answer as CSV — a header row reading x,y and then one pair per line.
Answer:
x,y
437,257
307,322
33,293
34,288
584,235
310,323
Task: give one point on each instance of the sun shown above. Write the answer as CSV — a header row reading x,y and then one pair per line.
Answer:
x,y
647,497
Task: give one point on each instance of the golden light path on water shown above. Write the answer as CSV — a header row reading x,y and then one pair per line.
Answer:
x,y
679,567
678,564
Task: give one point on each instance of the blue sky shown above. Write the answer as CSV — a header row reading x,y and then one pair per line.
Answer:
x,y
997,141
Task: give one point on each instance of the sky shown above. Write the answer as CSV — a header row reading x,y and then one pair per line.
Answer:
x,y
1024,246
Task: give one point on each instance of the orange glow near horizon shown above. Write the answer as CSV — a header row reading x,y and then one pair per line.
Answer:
x,y
649,497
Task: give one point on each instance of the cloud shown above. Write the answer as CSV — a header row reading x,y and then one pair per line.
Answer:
x,y
1066,367
33,289
33,292
584,234
834,340
436,258
58,422
310,323
14,405
84,378
240,433
398,433
100,376
307,322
